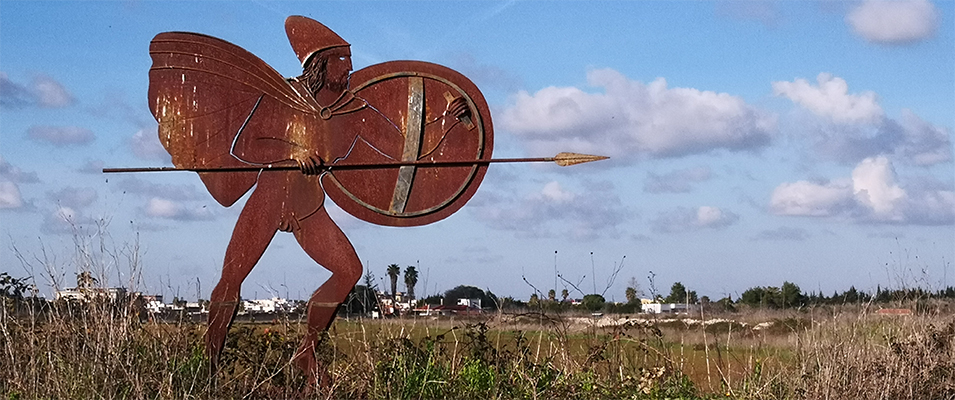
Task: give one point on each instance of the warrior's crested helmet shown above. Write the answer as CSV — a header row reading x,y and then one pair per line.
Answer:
x,y
308,36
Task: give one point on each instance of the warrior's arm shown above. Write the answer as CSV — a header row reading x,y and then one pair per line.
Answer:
x,y
266,139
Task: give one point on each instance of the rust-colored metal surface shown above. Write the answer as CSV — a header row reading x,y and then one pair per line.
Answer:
x,y
412,120
221,108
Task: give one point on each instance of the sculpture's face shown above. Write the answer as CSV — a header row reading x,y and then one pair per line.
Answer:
x,y
337,68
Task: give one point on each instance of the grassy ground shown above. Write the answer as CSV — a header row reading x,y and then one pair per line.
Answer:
x,y
98,352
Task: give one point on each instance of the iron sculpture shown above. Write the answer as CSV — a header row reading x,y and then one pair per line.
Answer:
x,y
402,143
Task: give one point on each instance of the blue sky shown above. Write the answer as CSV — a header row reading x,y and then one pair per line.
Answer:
x,y
752,143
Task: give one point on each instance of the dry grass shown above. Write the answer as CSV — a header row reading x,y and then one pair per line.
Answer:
x,y
104,352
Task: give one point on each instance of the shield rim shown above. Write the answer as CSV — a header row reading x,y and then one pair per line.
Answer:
x,y
398,69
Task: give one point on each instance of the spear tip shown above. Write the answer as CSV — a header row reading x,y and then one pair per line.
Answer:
x,y
568,159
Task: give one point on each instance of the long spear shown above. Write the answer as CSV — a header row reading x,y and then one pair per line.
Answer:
x,y
561,159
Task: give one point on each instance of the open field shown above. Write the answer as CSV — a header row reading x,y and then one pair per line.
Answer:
x,y
831,352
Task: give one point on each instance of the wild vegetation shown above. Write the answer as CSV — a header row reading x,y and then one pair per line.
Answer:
x,y
98,350
753,350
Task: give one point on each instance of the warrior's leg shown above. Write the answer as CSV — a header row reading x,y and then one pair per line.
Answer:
x,y
253,231
327,245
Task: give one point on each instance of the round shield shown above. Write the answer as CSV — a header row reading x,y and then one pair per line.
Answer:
x,y
415,111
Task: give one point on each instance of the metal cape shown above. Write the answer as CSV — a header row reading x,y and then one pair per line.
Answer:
x,y
406,120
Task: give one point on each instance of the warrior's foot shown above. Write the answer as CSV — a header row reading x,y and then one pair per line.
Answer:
x,y
317,373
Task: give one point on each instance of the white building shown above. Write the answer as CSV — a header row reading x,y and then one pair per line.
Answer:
x,y
658,308
153,303
267,305
86,294
470,303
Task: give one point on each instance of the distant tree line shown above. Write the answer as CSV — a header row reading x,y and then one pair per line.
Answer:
x,y
790,296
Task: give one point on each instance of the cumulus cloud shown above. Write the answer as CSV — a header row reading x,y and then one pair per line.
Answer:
x,y
894,22
872,194
43,91
69,215
10,177
66,221
830,98
177,202
920,141
631,118
813,199
50,93
11,173
554,210
684,219
10,195
61,221
73,198
783,233
678,181
61,136
158,207
13,95
852,127
145,145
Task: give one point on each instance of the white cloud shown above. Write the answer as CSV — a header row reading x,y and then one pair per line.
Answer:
x,y
873,184
922,142
683,219
553,192
43,91
145,145
157,207
631,119
830,98
61,136
65,220
894,22
15,174
50,93
593,212
73,197
805,198
10,195
872,195
13,95
10,177
853,127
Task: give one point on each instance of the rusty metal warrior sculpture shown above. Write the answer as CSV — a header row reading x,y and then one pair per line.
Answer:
x,y
401,143
220,107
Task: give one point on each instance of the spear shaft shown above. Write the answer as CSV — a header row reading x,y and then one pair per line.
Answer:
x,y
562,159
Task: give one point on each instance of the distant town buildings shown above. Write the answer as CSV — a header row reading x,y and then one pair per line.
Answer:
x,y
88,294
650,307
275,304
386,305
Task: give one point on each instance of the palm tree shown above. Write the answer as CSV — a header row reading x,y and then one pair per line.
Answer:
x,y
393,271
411,279
85,280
